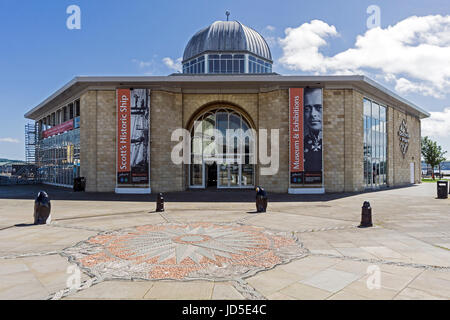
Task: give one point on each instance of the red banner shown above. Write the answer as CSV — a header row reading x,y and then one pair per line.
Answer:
x,y
296,129
63,127
123,132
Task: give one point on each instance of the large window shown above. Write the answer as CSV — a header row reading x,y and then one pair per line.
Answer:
x,y
375,145
58,158
227,163
258,66
226,63
195,66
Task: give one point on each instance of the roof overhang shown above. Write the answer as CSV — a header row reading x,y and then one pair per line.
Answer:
x,y
224,83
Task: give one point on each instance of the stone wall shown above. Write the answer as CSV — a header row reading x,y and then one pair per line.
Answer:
x,y
88,139
98,140
193,103
334,140
165,116
274,114
401,163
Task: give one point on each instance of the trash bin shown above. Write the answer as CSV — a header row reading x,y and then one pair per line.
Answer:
x,y
79,184
442,189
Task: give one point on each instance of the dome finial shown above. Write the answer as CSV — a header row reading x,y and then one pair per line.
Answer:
x,y
228,14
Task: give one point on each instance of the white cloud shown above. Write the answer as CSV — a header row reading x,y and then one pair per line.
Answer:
x,y
414,53
437,125
10,140
270,28
271,41
171,64
301,46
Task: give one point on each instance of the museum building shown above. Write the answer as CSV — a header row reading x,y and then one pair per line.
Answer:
x,y
323,133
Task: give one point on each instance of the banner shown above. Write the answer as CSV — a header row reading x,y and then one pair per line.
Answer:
x,y
296,135
305,130
123,136
133,112
61,128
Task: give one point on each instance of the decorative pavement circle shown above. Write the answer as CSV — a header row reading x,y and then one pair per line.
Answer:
x,y
184,252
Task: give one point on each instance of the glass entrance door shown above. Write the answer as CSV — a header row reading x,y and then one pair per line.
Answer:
x,y
211,150
236,176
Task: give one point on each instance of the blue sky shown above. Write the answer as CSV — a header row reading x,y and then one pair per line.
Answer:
x,y
39,54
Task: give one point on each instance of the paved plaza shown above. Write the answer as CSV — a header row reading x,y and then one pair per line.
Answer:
x,y
213,245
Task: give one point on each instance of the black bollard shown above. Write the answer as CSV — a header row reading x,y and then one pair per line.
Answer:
x,y
261,200
160,203
42,208
366,216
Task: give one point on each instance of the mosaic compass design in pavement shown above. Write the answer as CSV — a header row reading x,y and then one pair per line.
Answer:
x,y
184,251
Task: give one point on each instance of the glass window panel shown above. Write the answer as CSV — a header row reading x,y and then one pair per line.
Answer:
x,y
229,66
248,175
234,175
367,108
375,111
196,174
382,113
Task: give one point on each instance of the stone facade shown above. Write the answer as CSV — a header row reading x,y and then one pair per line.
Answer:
x,y
98,140
342,137
401,164
165,116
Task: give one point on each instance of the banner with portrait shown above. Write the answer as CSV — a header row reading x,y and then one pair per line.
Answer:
x,y
133,138
306,130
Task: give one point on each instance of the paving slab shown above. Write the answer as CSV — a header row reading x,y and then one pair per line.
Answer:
x,y
415,294
172,290
331,280
225,291
113,290
272,281
301,291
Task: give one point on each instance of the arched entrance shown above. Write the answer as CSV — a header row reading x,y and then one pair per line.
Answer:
x,y
222,150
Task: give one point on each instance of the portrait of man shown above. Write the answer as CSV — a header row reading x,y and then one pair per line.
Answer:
x,y
313,129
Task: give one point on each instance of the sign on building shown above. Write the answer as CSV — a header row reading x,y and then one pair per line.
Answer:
x,y
133,141
403,137
306,148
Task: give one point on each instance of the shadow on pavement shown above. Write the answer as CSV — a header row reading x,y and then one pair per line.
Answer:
x,y
29,192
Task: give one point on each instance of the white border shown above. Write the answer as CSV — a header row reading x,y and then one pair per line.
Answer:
x,y
303,190
125,190
306,190
133,190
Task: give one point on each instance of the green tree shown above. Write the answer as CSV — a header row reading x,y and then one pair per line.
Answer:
x,y
432,153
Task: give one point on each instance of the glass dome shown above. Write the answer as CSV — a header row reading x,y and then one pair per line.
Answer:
x,y
227,47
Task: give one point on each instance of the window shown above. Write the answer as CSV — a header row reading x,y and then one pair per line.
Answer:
x,y
77,108
195,66
70,111
64,114
58,158
375,144
226,64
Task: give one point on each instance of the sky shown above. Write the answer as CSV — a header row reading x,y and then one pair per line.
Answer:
x,y
408,51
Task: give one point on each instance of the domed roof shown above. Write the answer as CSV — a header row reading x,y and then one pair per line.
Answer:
x,y
227,36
